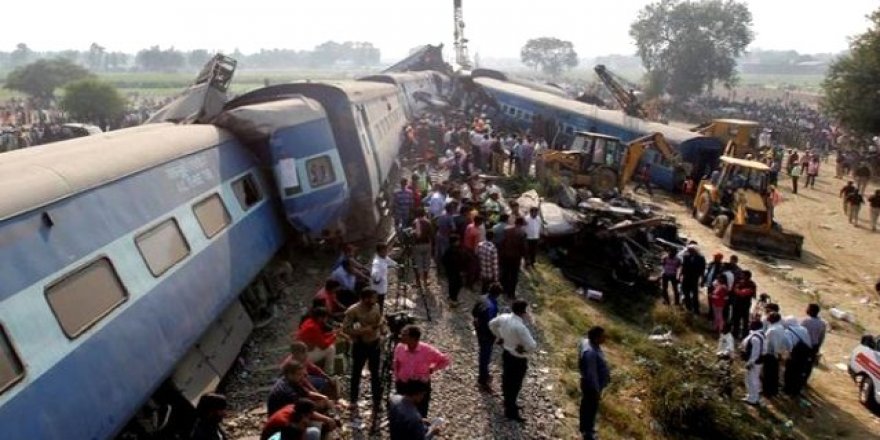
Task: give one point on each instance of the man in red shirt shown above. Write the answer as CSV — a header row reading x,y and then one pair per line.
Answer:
x,y
293,422
416,361
326,297
321,341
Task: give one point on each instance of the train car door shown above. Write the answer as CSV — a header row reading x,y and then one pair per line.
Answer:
x,y
369,147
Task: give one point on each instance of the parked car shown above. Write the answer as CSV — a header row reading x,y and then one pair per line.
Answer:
x,y
864,367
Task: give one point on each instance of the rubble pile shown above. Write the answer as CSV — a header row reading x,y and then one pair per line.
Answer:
x,y
603,242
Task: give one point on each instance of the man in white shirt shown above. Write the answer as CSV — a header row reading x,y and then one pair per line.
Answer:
x,y
753,349
436,201
514,336
379,273
777,348
533,234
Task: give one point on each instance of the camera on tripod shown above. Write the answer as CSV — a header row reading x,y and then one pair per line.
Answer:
x,y
397,321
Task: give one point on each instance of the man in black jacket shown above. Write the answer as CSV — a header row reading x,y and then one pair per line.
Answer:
x,y
693,268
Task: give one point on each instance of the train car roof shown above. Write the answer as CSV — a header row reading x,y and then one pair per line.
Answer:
x,y
355,91
528,83
398,77
34,177
745,163
673,134
731,121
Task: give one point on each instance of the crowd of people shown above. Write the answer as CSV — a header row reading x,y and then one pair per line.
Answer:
x,y
772,347
27,122
791,122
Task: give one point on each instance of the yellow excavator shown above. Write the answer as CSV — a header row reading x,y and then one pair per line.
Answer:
x,y
740,136
600,162
736,202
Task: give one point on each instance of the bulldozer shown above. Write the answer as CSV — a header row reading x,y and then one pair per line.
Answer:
x,y
592,161
600,162
735,201
739,135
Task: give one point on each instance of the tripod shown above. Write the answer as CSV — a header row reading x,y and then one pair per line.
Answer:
x,y
407,264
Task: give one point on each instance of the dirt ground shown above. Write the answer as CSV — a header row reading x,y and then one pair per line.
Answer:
x,y
839,268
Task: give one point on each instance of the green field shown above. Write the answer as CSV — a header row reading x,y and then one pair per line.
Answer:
x,y
150,84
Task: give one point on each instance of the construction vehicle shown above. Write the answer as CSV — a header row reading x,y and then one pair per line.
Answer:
x,y
739,136
736,202
592,161
600,162
623,92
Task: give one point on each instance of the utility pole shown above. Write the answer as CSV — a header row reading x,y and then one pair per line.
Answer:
x,y
460,44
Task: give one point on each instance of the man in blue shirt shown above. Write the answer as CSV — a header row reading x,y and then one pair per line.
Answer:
x,y
404,420
594,378
484,311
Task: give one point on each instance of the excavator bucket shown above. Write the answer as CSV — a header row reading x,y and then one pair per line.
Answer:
x,y
761,240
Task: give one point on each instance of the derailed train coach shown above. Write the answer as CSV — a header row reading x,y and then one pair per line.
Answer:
x,y
558,118
419,91
123,257
131,260
341,178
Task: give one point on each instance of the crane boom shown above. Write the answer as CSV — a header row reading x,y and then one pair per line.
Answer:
x,y
625,98
460,44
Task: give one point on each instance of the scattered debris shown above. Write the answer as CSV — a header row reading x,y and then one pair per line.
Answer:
x,y
841,314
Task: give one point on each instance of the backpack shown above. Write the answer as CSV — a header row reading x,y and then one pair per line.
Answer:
x,y
746,353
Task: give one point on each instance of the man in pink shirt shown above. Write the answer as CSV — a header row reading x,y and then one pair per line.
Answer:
x,y
416,361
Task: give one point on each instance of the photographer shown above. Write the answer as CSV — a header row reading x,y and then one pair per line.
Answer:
x,y
416,361
365,325
379,273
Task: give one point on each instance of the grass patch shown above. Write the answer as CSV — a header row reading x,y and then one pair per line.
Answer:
x,y
657,392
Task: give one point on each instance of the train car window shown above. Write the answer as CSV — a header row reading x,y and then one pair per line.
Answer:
x,y
11,368
320,170
247,191
162,247
212,215
511,111
83,297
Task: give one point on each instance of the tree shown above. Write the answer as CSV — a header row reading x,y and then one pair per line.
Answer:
x,y
687,46
197,58
92,100
40,78
155,59
852,84
21,55
97,57
551,55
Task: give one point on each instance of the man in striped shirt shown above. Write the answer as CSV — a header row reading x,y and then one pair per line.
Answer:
x,y
404,200
487,255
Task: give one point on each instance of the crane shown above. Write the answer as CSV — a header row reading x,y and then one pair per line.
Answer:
x,y
460,44
625,97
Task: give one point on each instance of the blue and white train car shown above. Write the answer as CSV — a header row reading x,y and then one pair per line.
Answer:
x,y
118,253
367,120
418,90
520,106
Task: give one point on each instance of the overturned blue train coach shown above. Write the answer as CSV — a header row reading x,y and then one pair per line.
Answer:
x,y
559,118
131,261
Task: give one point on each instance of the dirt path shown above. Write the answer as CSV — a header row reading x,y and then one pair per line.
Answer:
x,y
839,268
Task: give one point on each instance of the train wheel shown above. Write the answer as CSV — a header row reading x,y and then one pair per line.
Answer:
x,y
603,180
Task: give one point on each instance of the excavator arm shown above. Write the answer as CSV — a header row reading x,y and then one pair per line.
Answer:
x,y
625,98
636,148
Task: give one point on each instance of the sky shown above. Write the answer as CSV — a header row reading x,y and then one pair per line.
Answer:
x,y
495,28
